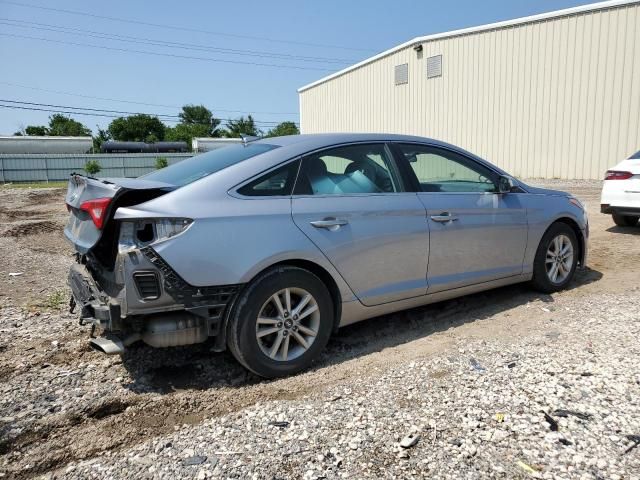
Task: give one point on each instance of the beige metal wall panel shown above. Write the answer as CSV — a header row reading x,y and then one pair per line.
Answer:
x,y
554,98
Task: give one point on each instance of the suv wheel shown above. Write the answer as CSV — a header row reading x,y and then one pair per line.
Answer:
x,y
282,321
625,220
556,259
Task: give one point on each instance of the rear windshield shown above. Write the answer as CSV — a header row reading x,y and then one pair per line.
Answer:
x,y
194,168
635,156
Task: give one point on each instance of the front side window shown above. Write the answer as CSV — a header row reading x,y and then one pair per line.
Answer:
x,y
440,170
278,182
352,169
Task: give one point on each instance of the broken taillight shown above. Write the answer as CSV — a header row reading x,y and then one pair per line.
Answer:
x,y
97,209
617,175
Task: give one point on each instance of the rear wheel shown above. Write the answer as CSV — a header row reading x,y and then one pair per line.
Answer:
x,y
282,321
556,259
625,220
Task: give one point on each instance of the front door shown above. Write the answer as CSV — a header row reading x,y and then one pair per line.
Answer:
x,y
476,234
350,202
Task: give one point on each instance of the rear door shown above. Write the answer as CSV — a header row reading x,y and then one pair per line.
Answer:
x,y
476,234
350,202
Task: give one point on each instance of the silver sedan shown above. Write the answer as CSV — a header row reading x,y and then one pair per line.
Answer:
x,y
269,246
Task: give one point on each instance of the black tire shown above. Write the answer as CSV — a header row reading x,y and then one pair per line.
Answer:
x,y
625,220
241,330
541,280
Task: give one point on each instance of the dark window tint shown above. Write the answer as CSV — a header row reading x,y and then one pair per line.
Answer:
x,y
346,170
440,170
635,156
277,182
194,168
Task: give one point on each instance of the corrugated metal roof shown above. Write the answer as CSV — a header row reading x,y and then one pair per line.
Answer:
x,y
465,31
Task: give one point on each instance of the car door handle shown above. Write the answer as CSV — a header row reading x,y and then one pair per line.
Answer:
x,y
444,217
329,223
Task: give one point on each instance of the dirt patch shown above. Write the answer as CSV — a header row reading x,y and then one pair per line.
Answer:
x,y
6,214
32,228
108,408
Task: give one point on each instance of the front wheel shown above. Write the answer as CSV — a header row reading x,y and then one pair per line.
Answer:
x,y
282,321
556,259
625,220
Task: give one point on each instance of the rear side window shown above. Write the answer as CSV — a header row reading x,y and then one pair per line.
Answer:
x,y
361,168
275,183
635,156
195,168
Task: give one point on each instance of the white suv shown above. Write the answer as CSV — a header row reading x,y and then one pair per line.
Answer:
x,y
621,192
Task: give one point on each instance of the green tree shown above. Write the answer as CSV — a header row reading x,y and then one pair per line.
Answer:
x,y
61,126
202,116
185,133
246,126
195,121
92,167
284,128
137,128
100,138
36,130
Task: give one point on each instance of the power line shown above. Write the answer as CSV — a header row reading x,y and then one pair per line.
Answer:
x,y
164,43
57,111
90,109
159,54
133,102
176,27
70,110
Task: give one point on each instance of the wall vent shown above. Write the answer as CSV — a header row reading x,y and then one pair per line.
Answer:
x,y
402,74
434,66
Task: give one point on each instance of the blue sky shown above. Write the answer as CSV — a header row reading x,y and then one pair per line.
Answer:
x,y
301,34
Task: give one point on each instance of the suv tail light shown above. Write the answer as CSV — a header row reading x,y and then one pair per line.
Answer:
x,y
97,209
617,175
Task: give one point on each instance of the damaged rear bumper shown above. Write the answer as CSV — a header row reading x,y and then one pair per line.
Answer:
x,y
95,306
178,314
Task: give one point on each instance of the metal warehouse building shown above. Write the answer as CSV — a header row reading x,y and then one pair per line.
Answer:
x,y
555,95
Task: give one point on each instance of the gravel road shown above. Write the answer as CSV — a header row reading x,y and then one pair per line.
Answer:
x,y
504,384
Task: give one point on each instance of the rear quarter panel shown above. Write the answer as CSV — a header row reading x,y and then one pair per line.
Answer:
x,y
234,239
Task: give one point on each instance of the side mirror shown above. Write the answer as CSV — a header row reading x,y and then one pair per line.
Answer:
x,y
505,184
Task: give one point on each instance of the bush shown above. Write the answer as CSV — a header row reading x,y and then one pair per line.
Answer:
x,y
92,167
161,162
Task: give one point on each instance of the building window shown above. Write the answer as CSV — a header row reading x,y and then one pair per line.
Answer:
x,y
402,74
434,66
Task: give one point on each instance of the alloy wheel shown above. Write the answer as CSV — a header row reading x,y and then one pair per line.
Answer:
x,y
288,324
559,259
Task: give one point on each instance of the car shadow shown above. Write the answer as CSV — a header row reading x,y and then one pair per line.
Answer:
x,y
635,230
198,367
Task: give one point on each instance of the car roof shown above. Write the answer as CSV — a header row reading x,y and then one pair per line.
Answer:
x,y
292,145
327,139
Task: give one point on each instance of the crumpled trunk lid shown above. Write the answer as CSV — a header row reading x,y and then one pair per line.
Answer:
x,y
81,229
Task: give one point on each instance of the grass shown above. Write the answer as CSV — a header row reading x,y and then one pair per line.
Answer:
x,y
56,300
35,185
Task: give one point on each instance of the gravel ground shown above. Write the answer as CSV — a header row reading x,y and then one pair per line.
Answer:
x,y
505,384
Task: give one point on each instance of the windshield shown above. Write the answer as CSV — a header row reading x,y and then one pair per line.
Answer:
x,y
635,156
194,168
